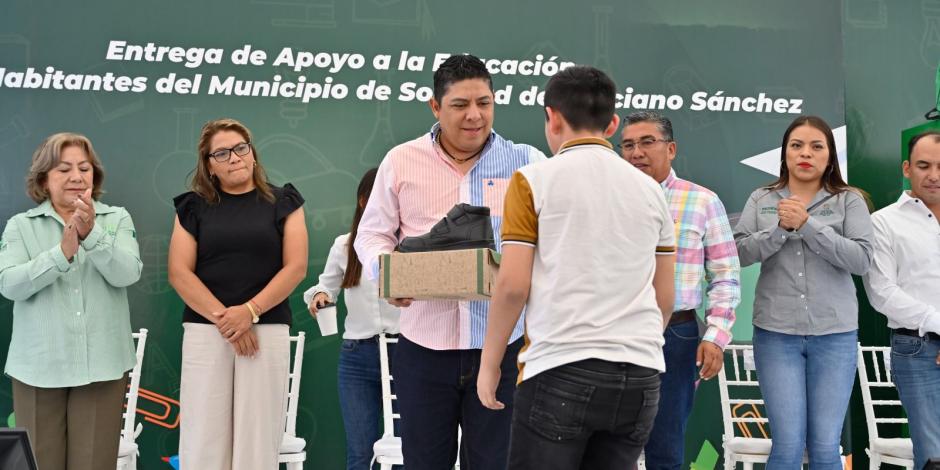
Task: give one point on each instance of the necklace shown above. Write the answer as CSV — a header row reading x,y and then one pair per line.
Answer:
x,y
458,160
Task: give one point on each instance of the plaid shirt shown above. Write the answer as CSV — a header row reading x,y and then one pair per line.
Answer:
x,y
706,250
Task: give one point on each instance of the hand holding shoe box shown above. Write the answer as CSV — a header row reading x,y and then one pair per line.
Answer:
x,y
456,260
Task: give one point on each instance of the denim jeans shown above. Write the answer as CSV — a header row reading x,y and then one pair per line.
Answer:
x,y
806,382
360,399
917,377
437,391
666,446
589,414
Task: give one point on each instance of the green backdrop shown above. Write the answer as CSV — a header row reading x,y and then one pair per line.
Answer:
x,y
788,50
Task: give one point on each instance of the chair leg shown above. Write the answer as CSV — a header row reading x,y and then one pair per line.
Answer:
x,y
874,463
729,462
295,466
748,465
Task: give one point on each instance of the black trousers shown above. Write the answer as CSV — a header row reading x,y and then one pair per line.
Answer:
x,y
437,391
590,414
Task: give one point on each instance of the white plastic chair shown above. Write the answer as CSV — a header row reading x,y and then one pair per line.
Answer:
x,y
738,378
895,451
387,450
292,447
127,448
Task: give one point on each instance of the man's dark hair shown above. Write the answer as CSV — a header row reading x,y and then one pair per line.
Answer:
x,y
457,68
662,122
584,95
911,143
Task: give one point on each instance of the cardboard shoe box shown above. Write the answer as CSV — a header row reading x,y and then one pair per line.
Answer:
x,y
453,275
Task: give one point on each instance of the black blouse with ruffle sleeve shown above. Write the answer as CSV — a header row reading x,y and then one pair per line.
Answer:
x,y
239,245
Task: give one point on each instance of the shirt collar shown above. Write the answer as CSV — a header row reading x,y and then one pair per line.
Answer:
x,y
45,209
785,193
906,198
669,179
436,129
584,141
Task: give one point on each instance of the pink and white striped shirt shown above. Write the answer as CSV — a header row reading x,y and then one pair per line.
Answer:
x,y
415,187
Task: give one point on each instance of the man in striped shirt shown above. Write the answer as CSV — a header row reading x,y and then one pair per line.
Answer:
x,y
461,160
705,250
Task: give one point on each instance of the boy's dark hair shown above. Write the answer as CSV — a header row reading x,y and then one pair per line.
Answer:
x,y
911,143
584,95
457,68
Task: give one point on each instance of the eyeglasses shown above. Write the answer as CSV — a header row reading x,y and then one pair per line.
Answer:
x,y
223,155
630,146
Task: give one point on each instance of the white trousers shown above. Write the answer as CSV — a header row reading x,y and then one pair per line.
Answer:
x,y
232,408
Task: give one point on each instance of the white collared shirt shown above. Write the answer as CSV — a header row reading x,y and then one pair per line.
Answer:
x,y
904,280
367,314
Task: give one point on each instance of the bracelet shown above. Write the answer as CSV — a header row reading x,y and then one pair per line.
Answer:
x,y
251,309
256,306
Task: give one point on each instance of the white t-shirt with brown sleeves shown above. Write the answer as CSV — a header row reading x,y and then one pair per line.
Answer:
x,y
596,223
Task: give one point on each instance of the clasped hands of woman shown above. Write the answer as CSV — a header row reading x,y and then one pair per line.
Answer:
x,y
79,224
792,213
234,324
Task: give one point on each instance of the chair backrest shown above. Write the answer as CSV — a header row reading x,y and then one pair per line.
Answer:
x,y
388,414
741,403
128,431
874,375
293,384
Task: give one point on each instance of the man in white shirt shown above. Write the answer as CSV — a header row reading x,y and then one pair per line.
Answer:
x,y
904,285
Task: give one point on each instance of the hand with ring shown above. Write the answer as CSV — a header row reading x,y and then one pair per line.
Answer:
x,y
233,322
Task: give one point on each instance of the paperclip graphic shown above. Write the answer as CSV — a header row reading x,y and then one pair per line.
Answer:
x,y
750,411
168,417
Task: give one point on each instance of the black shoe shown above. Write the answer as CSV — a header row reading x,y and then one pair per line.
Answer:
x,y
464,227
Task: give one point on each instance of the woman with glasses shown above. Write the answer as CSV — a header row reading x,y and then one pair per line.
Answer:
x,y
238,249
358,373
66,265
811,232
